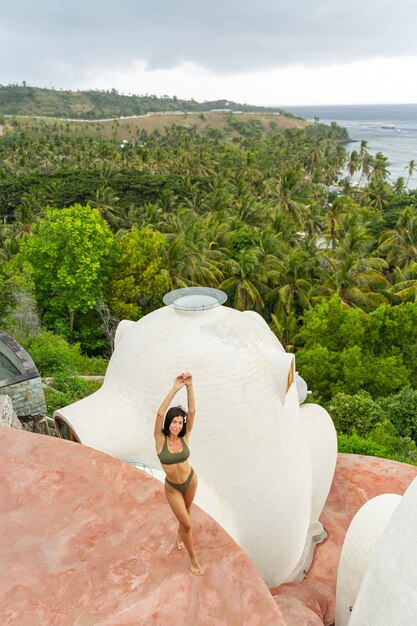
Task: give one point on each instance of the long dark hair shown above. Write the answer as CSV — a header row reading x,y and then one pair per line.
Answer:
x,y
175,411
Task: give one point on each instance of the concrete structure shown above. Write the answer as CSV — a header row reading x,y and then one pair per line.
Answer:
x,y
264,466
86,540
19,378
361,542
383,588
357,481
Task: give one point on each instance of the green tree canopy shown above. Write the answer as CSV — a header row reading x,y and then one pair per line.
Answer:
x,y
343,352
141,279
71,253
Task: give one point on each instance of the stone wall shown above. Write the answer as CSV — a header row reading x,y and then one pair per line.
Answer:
x,y
27,397
7,414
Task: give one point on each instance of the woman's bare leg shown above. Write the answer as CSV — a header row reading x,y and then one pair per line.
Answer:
x,y
176,502
180,543
188,496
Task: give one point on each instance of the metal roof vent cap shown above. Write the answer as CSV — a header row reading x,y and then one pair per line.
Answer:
x,y
195,298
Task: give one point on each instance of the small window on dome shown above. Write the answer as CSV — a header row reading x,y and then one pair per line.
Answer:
x,y
64,430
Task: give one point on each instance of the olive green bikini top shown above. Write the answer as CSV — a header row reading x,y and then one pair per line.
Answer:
x,y
169,458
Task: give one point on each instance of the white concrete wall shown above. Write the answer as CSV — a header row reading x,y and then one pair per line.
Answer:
x,y
361,542
388,593
248,447
322,445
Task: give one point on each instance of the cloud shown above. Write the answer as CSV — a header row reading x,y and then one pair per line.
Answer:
x,y
377,80
52,42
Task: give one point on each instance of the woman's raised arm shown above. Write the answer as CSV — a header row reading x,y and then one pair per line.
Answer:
x,y
178,383
188,381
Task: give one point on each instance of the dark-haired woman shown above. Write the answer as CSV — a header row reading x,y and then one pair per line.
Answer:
x,y
171,441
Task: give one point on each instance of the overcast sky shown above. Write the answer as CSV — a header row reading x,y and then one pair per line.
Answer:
x,y
270,52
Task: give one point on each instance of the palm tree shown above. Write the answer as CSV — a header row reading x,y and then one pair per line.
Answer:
x,y
282,224
28,212
353,163
399,186
380,169
340,206
405,283
291,294
105,201
134,216
9,244
187,266
336,158
245,284
314,157
217,230
367,165
248,211
190,257
411,168
400,245
351,271
378,194
313,221
363,149
365,161
358,281
291,196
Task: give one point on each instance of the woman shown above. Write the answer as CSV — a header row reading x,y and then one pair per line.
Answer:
x,y
171,442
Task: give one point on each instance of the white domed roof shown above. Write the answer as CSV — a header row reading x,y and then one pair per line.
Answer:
x,y
248,445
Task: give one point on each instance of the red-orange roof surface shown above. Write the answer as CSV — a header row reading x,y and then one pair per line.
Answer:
x,y
86,540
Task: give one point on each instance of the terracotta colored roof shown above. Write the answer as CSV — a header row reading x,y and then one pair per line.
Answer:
x,y
87,540
357,479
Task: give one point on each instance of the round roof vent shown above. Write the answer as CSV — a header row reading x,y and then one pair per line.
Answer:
x,y
195,298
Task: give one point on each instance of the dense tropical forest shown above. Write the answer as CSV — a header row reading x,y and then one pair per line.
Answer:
x,y
290,223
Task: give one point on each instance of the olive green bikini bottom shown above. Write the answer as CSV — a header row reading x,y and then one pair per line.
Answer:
x,y
182,486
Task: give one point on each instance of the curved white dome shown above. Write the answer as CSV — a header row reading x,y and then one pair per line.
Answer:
x,y
302,388
248,445
388,593
322,444
360,544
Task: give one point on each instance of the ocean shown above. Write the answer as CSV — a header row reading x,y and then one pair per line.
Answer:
x,y
388,128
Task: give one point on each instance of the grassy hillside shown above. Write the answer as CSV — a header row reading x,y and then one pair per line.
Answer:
x,y
229,124
24,100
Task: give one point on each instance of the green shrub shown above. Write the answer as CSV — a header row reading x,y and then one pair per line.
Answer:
x,y
354,444
385,374
91,365
53,354
71,385
346,350
65,390
401,409
381,442
357,412
402,449
319,367
241,240
385,435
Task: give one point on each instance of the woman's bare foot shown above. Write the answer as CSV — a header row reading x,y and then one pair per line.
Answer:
x,y
180,543
196,567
